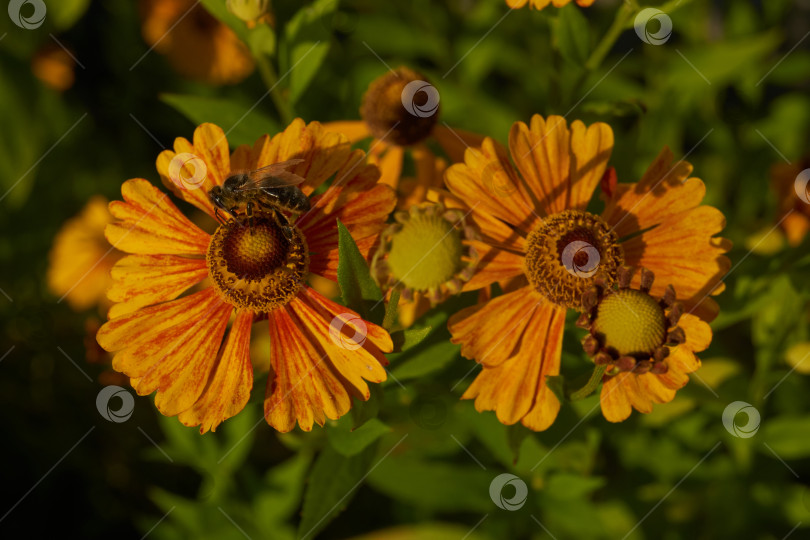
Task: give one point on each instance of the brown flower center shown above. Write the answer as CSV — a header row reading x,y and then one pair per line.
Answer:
x,y
259,267
568,252
401,107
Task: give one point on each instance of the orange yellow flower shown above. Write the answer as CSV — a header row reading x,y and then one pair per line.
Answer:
x,y
546,251
198,45
396,129
646,345
794,212
81,258
172,344
540,4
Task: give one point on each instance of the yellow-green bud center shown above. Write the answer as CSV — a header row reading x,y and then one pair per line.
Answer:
x,y
632,322
425,252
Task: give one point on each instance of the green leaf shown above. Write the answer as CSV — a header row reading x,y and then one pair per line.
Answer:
x,y
572,35
306,43
332,484
349,441
787,437
437,486
556,383
391,309
262,40
429,360
240,126
363,411
357,288
515,435
285,486
405,339
219,9
65,13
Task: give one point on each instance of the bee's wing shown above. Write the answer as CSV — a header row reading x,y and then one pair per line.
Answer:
x,y
273,176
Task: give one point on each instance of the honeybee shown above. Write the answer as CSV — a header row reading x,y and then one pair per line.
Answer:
x,y
274,188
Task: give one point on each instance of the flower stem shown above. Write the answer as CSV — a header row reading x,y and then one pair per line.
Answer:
x,y
626,12
590,386
271,81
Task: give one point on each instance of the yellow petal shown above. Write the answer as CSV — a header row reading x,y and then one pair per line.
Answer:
x,y
683,252
489,185
489,332
516,389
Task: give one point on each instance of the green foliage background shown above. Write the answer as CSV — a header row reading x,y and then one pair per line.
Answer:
x,y
723,91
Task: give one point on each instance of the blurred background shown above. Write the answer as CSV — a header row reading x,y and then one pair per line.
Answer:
x,y
92,91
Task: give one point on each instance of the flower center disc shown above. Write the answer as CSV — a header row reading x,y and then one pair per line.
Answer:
x,y
568,252
632,322
426,252
400,107
260,267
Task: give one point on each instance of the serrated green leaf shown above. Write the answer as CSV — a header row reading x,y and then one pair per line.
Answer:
x,y
230,115
306,43
349,441
357,289
572,35
332,484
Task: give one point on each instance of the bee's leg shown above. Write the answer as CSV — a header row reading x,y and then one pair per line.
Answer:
x,y
249,213
283,224
219,218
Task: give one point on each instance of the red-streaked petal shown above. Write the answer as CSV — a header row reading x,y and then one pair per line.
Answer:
x,y
142,280
210,148
303,386
229,387
151,224
169,347
362,359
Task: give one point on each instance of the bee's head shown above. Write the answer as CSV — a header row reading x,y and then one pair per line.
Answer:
x,y
216,197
